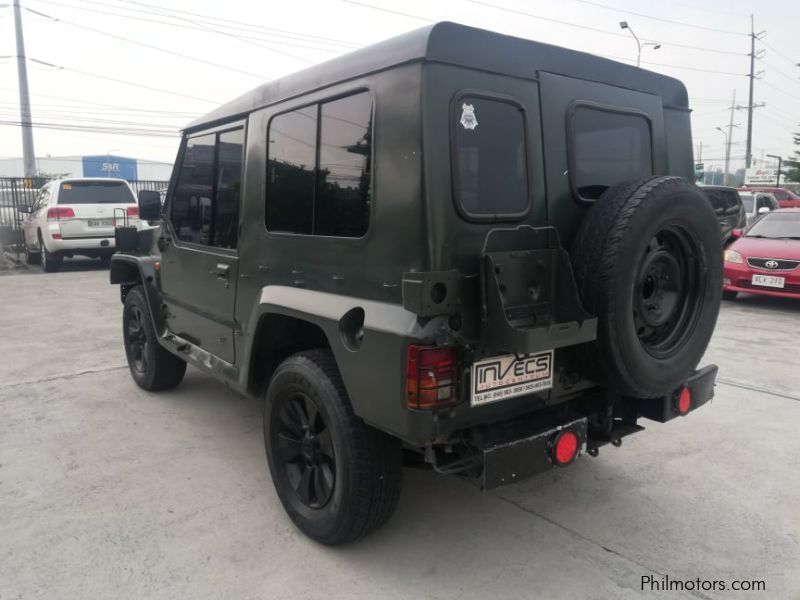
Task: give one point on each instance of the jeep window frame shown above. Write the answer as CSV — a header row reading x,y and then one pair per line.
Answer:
x,y
166,209
318,132
572,108
455,105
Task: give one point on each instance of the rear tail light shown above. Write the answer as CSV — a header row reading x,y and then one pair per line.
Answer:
x,y
565,448
684,402
59,212
133,211
431,376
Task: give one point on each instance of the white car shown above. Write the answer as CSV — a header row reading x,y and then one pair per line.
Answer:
x,y
77,217
757,204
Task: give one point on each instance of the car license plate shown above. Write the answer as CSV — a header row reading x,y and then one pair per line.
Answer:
x,y
101,222
768,281
503,377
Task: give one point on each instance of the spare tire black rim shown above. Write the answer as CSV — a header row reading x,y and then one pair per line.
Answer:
x,y
305,450
668,291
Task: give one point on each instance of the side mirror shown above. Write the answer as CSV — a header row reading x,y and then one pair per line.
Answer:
x,y
149,205
24,209
736,234
763,210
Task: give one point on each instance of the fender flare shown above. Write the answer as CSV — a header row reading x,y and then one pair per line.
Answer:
x,y
127,271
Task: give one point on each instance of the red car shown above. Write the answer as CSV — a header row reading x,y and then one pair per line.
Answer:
x,y
785,198
765,258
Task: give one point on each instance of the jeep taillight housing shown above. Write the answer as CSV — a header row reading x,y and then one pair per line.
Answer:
x,y
431,376
59,212
133,212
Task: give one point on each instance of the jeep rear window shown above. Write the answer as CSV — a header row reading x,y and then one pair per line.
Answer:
x,y
95,192
490,175
319,169
607,148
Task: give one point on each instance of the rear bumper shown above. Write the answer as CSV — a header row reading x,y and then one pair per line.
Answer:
x,y
81,243
519,452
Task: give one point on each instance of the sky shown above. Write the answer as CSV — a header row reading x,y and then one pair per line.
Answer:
x,y
186,57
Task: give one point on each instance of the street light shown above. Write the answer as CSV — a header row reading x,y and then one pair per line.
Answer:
x,y
780,162
727,155
639,45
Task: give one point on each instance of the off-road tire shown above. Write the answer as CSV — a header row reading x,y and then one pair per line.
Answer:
x,y
666,222
51,261
367,462
729,295
152,367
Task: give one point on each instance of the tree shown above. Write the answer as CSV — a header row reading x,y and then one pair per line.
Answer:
x,y
792,169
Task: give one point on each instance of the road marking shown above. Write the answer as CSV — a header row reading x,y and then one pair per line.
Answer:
x,y
758,388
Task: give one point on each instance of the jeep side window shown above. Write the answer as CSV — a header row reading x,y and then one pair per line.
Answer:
x,y
490,172
319,169
205,206
607,148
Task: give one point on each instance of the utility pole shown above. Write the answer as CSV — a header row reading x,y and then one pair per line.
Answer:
x,y
750,106
28,155
728,140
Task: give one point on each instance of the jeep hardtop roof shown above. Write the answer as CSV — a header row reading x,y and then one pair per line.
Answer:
x,y
459,45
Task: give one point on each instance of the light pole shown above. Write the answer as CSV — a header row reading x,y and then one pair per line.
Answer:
x,y
727,155
780,162
639,45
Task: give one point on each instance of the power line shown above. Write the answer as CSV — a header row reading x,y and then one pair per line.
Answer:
x,y
95,129
777,89
145,45
338,45
663,20
217,20
90,103
781,73
778,52
122,81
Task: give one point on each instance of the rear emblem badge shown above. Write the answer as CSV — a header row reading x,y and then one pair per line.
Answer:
x,y
771,264
468,119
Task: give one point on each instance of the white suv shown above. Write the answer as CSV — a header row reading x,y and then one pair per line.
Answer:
x,y
77,216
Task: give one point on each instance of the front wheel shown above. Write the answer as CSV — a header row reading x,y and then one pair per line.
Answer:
x,y
729,294
152,367
337,478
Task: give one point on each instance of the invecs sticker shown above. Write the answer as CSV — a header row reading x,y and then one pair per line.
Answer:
x,y
503,377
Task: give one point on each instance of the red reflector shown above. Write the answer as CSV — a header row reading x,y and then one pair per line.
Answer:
x,y
565,448
684,401
60,212
431,376
56,236
133,211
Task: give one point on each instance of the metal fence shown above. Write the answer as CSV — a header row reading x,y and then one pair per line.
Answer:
x,y
16,192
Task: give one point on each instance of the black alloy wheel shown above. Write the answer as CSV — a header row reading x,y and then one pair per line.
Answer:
x,y
136,338
305,448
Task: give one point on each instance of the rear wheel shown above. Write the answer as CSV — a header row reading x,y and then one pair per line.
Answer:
x,y
31,257
337,478
648,264
50,261
152,367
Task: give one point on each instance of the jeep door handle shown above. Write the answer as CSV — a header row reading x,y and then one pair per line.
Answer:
x,y
222,271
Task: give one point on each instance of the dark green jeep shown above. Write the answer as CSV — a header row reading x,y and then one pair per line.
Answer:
x,y
454,249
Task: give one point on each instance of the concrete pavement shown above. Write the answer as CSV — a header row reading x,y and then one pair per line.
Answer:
x,y
107,491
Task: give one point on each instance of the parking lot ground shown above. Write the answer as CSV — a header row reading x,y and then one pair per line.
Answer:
x,y
107,491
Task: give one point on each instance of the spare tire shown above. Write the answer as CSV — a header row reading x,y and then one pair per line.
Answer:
x,y
648,263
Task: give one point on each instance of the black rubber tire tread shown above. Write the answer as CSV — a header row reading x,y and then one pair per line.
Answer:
x,y
165,370
374,465
596,253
